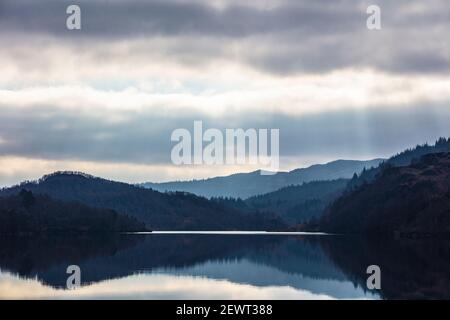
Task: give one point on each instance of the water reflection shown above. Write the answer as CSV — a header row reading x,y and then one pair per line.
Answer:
x,y
150,286
411,269
177,266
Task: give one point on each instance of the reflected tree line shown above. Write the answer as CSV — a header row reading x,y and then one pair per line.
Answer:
x,y
410,269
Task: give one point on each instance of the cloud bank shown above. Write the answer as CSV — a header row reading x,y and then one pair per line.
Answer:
x,y
110,94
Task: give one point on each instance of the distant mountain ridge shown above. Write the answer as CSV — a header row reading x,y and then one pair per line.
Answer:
x,y
159,211
245,185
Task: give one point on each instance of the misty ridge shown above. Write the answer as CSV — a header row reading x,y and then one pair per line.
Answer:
x,y
307,199
245,185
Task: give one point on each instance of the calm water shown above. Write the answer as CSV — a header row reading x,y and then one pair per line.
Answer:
x,y
222,266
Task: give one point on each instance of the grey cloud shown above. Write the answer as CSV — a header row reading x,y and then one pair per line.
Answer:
x,y
119,19
292,37
422,62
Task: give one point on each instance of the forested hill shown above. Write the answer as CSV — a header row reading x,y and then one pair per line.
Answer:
x,y
27,213
414,198
298,204
402,159
159,211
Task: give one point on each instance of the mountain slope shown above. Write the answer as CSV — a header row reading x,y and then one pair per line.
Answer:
x,y
402,159
245,185
414,198
159,211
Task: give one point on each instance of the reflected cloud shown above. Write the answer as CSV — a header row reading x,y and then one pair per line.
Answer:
x,y
151,286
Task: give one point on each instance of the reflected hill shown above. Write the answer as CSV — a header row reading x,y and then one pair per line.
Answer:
x,y
249,259
333,266
33,256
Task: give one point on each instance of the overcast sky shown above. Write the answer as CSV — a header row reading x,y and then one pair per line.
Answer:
x,y
105,99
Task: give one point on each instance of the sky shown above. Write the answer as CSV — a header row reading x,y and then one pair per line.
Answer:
x,y
105,99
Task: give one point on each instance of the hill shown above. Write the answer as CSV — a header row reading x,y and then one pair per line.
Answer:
x,y
27,213
402,159
245,185
159,211
298,204
410,199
